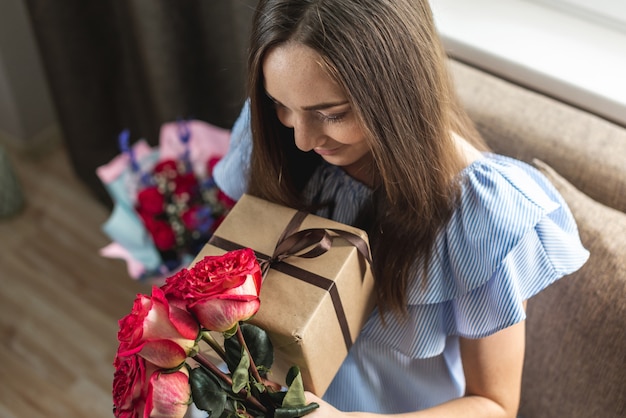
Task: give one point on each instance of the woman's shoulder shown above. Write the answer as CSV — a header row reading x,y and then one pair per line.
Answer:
x,y
510,236
505,187
509,216
231,172
501,193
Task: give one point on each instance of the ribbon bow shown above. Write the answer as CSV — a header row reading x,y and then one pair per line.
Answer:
x,y
309,243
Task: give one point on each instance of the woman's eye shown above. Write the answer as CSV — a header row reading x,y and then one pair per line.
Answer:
x,y
333,117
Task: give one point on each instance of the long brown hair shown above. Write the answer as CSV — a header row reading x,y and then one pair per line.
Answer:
x,y
387,57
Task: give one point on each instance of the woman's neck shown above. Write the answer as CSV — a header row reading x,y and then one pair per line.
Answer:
x,y
362,170
468,152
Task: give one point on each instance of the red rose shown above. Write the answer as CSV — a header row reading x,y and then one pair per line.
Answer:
x,y
191,217
210,165
219,290
141,389
225,200
157,331
168,168
164,236
198,218
128,386
185,183
150,202
169,394
161,232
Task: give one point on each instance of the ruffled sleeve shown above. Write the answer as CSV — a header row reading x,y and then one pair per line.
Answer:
x,y
231,172
511,236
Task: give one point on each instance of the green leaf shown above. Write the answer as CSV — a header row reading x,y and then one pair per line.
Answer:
x,y
241,376
295,412
294,398
294,402
260,387
206,392
293,374
259,344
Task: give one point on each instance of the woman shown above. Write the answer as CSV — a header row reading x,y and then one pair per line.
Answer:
x,y
352,115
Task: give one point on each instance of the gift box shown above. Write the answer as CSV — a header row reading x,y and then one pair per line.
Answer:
x,y
313,304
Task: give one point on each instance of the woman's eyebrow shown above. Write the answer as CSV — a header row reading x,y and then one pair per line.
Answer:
x,y
319,106
325,105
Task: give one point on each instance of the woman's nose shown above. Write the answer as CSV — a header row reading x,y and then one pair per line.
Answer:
x,y
304,136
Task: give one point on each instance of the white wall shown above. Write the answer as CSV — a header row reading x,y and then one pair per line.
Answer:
x,y
27,117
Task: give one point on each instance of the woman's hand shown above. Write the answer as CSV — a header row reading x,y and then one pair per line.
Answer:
x,y
325,410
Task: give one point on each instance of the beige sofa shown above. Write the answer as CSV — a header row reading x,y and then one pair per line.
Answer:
x,y
575,363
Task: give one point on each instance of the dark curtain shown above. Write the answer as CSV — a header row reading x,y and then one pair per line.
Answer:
x,y
117,64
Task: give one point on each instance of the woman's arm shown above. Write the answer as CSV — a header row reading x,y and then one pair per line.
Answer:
x,y
493,372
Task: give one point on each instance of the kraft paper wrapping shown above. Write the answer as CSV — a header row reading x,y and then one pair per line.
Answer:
x,y
312,309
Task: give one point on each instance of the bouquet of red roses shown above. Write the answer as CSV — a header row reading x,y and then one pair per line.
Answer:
x,y
161,367
166,202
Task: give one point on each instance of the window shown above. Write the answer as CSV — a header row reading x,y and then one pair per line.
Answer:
x,y
606,13
574,50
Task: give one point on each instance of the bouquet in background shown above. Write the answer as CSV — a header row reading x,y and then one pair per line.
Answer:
x,y
161,366
166,204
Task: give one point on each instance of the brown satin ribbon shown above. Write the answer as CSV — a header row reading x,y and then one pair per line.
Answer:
x,y
308,243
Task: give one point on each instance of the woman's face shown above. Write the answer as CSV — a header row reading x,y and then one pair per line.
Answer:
x,y
308,100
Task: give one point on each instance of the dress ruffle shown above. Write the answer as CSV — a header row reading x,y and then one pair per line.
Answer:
x,y
511,237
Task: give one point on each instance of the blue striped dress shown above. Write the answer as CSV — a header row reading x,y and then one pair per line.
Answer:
x,y
511,236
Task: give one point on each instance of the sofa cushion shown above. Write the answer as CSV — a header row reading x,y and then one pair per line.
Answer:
x,y
587,150
575,362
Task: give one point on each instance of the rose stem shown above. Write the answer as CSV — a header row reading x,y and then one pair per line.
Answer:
x,y
216,371
208,338
253,368
213,368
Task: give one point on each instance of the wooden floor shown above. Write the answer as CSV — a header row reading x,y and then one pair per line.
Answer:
x,y
59,300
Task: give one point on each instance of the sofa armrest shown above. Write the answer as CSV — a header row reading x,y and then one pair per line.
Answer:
x,y
587,150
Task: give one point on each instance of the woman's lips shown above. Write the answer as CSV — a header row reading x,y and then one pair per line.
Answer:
x,y
326,151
